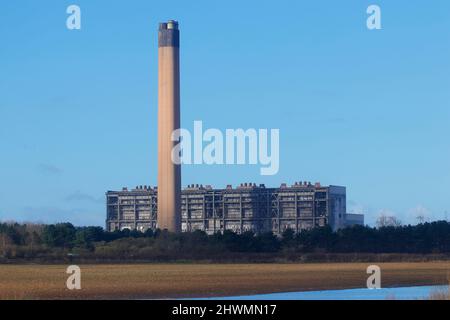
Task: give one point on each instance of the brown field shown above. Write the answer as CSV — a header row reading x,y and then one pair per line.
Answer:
x,y
135,281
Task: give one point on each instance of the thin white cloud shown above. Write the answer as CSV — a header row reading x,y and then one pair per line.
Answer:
x,y
49,169
83,197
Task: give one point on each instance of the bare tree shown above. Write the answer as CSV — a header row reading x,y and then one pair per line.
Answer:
x,y
33,234
420,218
388,221
420,213
5,242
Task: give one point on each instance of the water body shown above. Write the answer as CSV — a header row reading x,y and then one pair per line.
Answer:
x,y
399,293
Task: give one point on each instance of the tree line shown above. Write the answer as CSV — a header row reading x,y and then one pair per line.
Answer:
x,y
56,241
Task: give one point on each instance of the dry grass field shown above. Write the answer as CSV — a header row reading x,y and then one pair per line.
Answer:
x,y
140,281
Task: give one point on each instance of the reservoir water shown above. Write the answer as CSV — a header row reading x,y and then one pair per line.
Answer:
x,y
399,293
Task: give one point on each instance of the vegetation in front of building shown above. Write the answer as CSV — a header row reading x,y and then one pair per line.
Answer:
x,y
51,243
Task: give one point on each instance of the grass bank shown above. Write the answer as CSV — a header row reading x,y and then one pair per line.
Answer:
x,y
141,281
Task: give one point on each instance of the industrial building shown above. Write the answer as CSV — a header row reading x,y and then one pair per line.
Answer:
x,y
247,207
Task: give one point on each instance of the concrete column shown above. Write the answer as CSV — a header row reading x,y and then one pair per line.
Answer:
x,y
169,174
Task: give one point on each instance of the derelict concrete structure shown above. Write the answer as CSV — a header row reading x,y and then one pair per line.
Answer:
x,y
248,207
169,174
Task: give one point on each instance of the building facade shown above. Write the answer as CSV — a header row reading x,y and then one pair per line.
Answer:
x,y
246,208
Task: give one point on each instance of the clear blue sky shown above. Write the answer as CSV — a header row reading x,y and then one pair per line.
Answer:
x,y
369,110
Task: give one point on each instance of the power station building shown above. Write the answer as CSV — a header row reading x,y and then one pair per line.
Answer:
x,y
247,207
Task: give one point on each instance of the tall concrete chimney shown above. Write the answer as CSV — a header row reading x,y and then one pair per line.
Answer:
x,y
169,174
